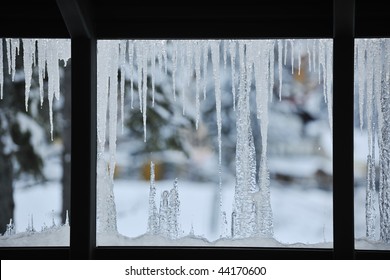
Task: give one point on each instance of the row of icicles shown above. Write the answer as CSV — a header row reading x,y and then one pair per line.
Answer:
x,y
43,54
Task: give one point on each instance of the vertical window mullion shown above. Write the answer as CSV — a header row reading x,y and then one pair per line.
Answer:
x,y
83,198
343,87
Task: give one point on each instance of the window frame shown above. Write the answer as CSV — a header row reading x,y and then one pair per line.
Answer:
x,y
85,26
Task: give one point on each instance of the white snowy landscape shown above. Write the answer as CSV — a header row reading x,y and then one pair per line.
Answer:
x,y
244,127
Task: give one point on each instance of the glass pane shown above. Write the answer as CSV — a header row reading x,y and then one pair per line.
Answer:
x,y
372,189
221,143
34,142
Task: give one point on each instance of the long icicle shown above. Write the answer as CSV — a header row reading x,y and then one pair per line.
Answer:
x,y
131,72
232,51
215,45
122,58
27,65
280,67
197,54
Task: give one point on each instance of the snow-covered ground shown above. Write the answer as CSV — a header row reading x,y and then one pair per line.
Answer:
x,y
302,217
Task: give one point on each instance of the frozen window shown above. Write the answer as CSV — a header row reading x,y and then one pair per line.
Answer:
x,y
214,142
372,189
34,142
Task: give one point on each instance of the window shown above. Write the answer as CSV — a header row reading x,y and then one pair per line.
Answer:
x,y
35,143
185,156
85,24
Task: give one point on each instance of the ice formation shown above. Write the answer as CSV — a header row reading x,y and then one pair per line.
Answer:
x,y
256,65
47,53
164,222
372,61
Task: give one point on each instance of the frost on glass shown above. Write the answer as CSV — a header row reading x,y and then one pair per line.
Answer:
x,y
372,73
158,99
31,141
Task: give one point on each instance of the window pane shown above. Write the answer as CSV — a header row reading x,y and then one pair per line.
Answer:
x,y
34,142
372,189
214,142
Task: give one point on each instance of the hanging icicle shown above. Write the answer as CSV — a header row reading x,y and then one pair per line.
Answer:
x,y
215,54
122,59
280,67
197,55
131,67
232,52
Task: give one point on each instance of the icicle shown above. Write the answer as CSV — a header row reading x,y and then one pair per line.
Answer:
x,y
42,58
27,64
103,60
189,56
163,214
225,47
215,60
122,60
183,66
145,85
370,189
242,216
174,211
370,198
131,66
205,63
261,198
1,69
285,51
308,54
361,62
292,56
15,45
35,55
271,68
197,54
107,95
174,67
314,52
8,47
384,142
153,216
377,90
139,53
322,64
232,51
164,54
113,106
51,90
329,80
53,78
280,67
153,67
299,57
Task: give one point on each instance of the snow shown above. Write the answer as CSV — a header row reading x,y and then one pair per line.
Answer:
x,y
302,218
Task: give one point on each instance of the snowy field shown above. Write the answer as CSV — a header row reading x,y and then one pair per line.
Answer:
x,y
302,217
